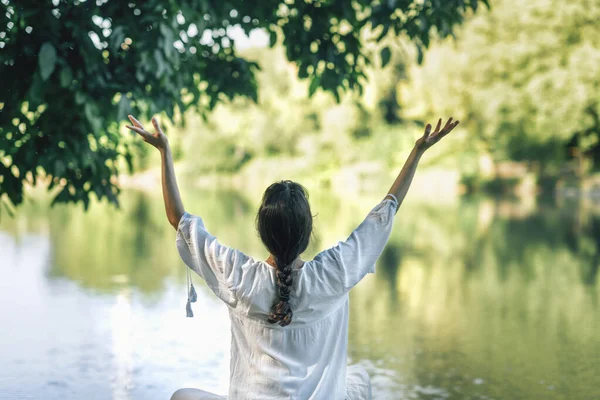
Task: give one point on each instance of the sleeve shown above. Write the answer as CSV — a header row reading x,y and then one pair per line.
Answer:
x,y
341,267
217,264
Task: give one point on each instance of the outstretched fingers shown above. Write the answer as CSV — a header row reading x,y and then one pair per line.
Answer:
x,y
449,128
427,131
448,124
438,126
135,122
156,125
140,131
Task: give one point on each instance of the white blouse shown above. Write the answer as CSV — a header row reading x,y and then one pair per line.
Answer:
x,y
307,358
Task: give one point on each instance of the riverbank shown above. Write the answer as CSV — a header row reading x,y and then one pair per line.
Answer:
x,y
366,178
360,179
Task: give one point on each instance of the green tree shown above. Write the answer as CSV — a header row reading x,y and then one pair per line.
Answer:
x,y
72,69
526,77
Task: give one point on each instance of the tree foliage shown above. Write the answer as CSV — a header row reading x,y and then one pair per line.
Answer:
x,y
245,138
72,69
526,76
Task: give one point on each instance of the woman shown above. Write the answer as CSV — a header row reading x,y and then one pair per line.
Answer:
x,y
289,318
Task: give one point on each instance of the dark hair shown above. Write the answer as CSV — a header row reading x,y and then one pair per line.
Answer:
x,y
284,223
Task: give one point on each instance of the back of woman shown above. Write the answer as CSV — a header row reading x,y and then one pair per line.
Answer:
x,y
289,318
304,358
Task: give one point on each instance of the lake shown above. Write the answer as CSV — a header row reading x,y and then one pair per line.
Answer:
x,y
473,299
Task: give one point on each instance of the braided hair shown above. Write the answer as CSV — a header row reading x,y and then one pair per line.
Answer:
x,y
284,223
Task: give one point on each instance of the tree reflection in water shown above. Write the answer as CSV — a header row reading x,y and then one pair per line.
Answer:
x,y
481,298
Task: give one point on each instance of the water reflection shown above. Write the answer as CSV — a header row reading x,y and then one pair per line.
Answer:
x,y
121,328
389,262
484,299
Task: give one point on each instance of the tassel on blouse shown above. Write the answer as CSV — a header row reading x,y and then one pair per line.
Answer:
x,y
192,296
188,310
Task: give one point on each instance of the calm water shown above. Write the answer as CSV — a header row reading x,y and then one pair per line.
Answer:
x,y
474,300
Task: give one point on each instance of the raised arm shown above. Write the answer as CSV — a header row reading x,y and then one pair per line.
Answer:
x,y
342,266
404,179
171,196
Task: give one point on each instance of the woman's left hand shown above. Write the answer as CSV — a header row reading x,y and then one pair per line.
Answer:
x,y
157,139
429,139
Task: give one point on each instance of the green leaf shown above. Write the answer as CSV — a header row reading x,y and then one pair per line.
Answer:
x,y
36,91
85,197
129,160
386,54
336,94
139,75
91,115
47,60
9,208
160,62
170,112
59,168
116,38
66,77
272,38
419,54
169,39
124,108
303,71
316,81
79,98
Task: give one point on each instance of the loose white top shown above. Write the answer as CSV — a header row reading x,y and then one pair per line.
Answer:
x,y
307,358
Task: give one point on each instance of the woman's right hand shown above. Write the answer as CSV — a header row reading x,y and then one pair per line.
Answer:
x,y
429,139
157,139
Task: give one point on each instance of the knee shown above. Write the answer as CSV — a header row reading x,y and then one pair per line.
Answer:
x,y
195,394
181,394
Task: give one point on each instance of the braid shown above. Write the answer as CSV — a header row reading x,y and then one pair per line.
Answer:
x,y
281,312
284,223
